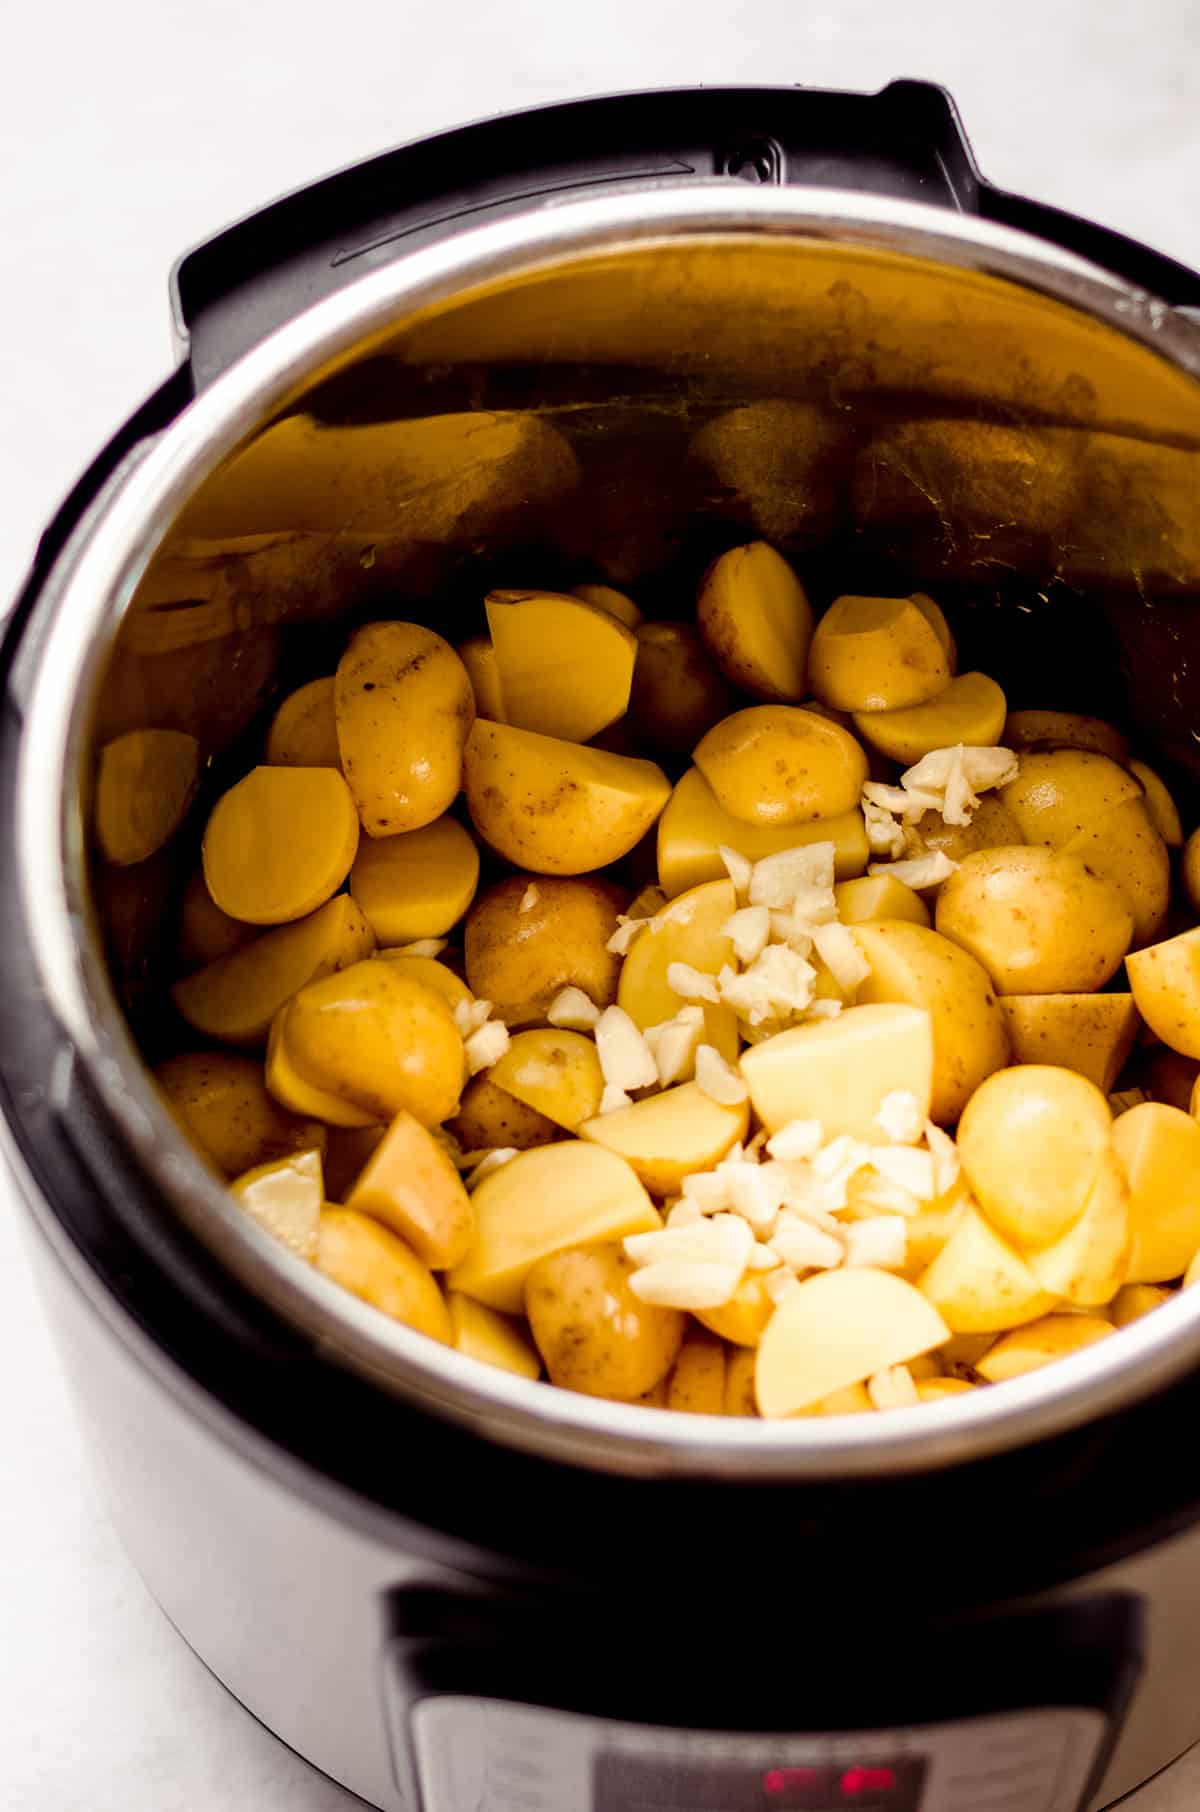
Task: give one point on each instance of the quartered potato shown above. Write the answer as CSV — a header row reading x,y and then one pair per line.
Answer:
x,y
144,784
776,764
1089,1263
565,666
417,884
285,1198
1090,1033
556,1073
496,1339
303,732
593,1333
1123,846
839,1071
979,1283
1159,1149
221,1100
205,932
1056,795
376,1265
756,622
688,930
879,897
742,1319
404,707
1037,919
696,1383
489,1118
616,603
1164,813
433,973
695,826
668,1136
838,1329
880,654
1165,980
479,658
410,1185
1053,1337
528,937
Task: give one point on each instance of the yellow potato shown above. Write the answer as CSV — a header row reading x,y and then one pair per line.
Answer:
x,y
479,658
854,1400
1039,731
144,784
694,827
924,969
556,807
1090,1033
1087,1265
837,1329
971,710
979,1284
739,1383
839,1071
963,1350
1159,1148
593,1333
490,1118
376,1265
936,1390
1053,1337
607,597
410,1185
565,666
1192,1274
528,938
347,1149
541,1202
378,1040
1036,918
1167,1076
235,998
303,732
285,1198
417,884
1031,1141
667,1136
1164,813
404,708
696,1384
220,1100
1133,1300
291,1087
495,1339
756,621
690,929
677,692
1190,870
556,1073
878,654
1124,848
991,826
1165,979
742,1319
927,1231
280,843
775,764
1058,794
879,897
205,932
435,974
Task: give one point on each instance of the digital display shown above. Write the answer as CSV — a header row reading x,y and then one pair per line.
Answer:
x,y
632,1783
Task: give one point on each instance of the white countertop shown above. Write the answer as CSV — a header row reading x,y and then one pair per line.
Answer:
x,y
127,132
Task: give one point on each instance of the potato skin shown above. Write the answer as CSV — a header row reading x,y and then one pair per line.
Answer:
x,y
405,706
991,826
220,1100
377,1265
778,765
677,693
531,935
489,1117
593,1333
1037,919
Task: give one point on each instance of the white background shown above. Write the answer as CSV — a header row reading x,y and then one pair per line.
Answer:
x,y
127,132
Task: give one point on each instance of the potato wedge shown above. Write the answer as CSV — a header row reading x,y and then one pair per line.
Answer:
x,y
206,933
756,622
375,1264
565,666
694,827
837,1329
417,884
924,969
303,732
410,1185
144,784
495,1339
607,597
404,707
971,710
1031,1141
479,658
879,897
541,1202
1092,1034
285,1198
1052,1337
527,939
979,1283
1087,1265
776,764
667,1136
838,1071
689,929
877,654
489,1118
1159,1148
1165,979
555,1073
1037,919
556,807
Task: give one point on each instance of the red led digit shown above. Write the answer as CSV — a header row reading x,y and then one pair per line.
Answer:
x,y
790,1780
867,1780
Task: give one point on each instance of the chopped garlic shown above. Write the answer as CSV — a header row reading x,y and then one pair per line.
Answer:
x,y
908,1168
709,1189
782,878
825,1009
756,1192
804,1247
944,1152
780,982
721,1240
838,950
790,929
717,1079
691,984
421,946
625,1058
529,898
917,872
739,868
486,1046
869,1193
798,1139
885,834
490,1161
763,1257
684,1284
893,1388
899,1117
881,1241
683,1214
899,801
571,1008
627,929
470,1015
673,1044
780,1284
748,932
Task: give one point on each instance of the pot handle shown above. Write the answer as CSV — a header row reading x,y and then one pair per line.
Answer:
x,y
906,141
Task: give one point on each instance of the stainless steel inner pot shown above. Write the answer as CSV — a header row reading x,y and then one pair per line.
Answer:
x,y
892,394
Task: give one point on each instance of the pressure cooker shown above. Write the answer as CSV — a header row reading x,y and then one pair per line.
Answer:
x,y
446,1586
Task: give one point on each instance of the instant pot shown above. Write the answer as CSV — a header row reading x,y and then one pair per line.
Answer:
x,y
603,341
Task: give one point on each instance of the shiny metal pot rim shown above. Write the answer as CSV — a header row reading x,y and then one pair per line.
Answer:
x,y
89,590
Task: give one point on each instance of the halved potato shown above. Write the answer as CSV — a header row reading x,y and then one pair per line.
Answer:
x,y
1090,1033
777,764
1036,918
739,1383
837,1329
303,732
691,930
878,654
1123,847
556,1073
1159,1148
417,884
694,827
220,1099
677,693
144,784
667,1136
1040,731
565,666
529,937
1052,1337
280,843
404,705
1087,1265
594,1334
756,621
979,1283
1058,794
1165,979
971,710
541,1202
839,1071
1164,813
1031,1140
